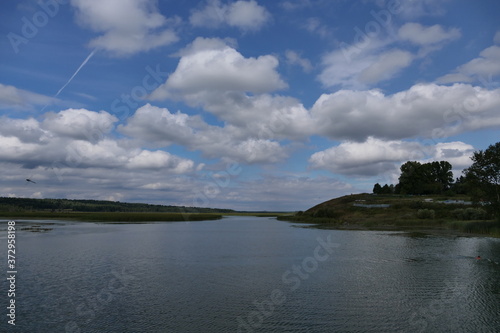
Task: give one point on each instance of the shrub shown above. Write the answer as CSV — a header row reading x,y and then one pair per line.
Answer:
x,y
469,214
426,213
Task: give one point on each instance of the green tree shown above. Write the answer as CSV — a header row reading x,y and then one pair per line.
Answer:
x,y
428,178
484,174
386,189
410,178
377,189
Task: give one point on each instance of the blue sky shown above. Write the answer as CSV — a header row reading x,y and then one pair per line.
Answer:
x,y
250,105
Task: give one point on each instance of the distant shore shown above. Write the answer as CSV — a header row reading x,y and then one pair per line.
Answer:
x,y
117,217
127,217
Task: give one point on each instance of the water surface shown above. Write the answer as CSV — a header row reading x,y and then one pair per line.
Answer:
x,y
248,274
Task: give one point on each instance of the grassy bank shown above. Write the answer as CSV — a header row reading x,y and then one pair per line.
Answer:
x,y
110,216
258,214
391,212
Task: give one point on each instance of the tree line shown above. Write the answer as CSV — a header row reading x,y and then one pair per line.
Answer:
x,y
28,204
420,178
481,180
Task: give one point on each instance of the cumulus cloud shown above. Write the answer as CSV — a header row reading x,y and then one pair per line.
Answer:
x,y
26,130
127,26
245,15
159,160
18,99
159,125
78,139
457,153
369,158
211,66
425,110
375,157
79,124
264,116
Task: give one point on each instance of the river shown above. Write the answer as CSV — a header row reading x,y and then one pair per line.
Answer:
x,y
248,274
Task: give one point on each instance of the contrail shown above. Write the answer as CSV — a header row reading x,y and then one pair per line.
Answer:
x,y
73,76
79,68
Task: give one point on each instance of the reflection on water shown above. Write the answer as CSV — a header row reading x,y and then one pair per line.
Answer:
x,y
251,274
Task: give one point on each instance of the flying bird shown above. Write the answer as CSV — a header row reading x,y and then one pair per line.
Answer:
x,y
30,181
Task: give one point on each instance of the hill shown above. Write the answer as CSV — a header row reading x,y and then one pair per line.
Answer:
x,y
399,212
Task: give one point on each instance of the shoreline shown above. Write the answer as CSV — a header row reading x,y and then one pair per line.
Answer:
x,y
440,230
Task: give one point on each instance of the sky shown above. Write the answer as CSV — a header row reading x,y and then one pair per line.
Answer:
x,y
248,105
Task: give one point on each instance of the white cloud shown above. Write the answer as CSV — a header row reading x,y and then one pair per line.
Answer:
x,y
77,139
161,127
375,157
421,35
79,124
18,99
315,26
425,110
454,77
26,130
385,66
264,116
482,68
496,38
363,64
208,68
245,15
127,26
293,58
488,63
457,153
369,158
160,160
381,56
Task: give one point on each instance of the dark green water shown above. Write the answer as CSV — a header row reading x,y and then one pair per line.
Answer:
x,y
247,274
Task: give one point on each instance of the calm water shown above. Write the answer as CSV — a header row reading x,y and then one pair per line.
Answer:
x,y
247,274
